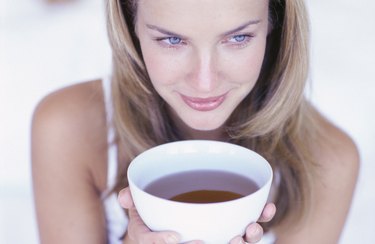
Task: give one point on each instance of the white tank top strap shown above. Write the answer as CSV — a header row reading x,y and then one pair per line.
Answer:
x,y
112,149
116,219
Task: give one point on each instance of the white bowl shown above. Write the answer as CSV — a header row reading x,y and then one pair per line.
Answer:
x,y
214,223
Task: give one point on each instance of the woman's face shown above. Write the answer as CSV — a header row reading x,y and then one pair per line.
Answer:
x,y
203,56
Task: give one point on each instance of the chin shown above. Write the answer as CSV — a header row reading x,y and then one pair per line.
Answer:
x,y
203,122
204,125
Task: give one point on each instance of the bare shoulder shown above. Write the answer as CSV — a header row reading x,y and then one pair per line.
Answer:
x,y
76,104
333,185
336,150
68,164
70,123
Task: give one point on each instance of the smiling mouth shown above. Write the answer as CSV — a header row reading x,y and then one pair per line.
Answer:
x,y
204,104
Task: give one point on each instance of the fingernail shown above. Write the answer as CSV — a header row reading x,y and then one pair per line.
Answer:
x,y
271,212
240,240
172,239
255,233
254,230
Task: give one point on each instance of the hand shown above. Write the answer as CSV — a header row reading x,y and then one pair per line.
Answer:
x,y
254,232
138,232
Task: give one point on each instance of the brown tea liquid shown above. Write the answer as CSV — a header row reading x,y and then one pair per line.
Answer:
x,y
206,196
202,186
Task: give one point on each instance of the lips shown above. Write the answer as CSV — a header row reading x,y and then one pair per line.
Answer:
x,y
203,104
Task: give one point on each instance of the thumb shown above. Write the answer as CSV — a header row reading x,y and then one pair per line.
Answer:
x,y
125,198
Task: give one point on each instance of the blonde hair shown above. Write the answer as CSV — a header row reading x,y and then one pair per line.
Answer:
x,y
274,119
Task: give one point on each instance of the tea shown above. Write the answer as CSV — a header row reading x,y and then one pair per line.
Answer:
x,y
206,196
202,186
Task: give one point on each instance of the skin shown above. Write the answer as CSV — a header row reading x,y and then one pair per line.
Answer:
x,y
207,55
69,167
69,139
217,52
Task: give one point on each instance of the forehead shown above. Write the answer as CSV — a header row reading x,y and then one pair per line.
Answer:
x,y
189,14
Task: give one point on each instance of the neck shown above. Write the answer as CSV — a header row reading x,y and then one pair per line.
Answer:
x,y
217,134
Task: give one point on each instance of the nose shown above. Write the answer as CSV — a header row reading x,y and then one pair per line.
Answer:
x,y
204,76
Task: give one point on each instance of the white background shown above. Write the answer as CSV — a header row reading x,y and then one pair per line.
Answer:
x,y
43,48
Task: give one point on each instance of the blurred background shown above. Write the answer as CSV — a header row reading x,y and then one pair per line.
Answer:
x,y
48,44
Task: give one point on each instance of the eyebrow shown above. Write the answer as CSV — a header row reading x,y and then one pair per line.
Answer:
x,y
170,33
241,27
163,31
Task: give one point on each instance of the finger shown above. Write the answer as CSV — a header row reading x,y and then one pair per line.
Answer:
x,y
136,226
237,240
254,233
268,213
138,231
194,242
159,238
125,198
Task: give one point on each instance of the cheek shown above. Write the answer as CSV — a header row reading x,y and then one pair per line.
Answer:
x,y
246,72
162,69
248,66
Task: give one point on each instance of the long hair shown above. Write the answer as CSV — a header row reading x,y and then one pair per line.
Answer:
x,y
274,120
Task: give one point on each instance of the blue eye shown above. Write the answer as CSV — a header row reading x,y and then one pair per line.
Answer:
x,y
239,41
174,40
240,38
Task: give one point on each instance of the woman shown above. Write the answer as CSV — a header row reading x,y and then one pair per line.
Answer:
x,y
222,70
